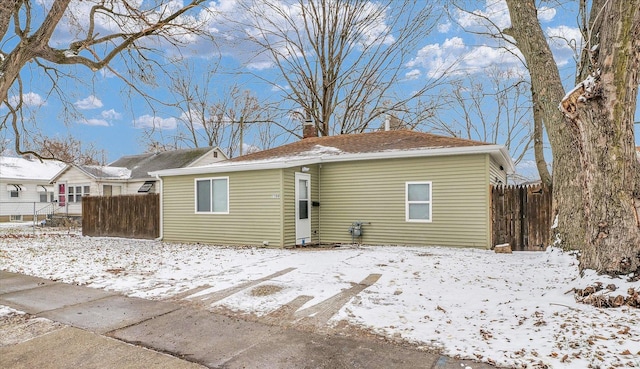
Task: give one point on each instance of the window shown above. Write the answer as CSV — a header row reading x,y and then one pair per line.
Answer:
x,y
212,195
418,202
45,193
303,199
76,192
147,187
14,190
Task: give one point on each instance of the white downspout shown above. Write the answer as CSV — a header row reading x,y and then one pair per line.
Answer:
x,y
161,209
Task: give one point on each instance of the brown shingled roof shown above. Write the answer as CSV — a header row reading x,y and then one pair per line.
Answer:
x,y
364,143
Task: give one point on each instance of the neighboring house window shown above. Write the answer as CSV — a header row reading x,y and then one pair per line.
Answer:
x,y
14,190
418,201
147,187
111,190
76,193
45,194
212,195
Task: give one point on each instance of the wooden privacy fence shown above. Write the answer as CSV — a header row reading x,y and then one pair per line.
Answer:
x,y
131,216
521,216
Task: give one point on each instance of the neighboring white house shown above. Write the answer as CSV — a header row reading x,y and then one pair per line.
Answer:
x,y
125,176
25,188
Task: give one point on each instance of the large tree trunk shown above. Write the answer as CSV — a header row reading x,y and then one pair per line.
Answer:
x,y
538,146
600,112
548,90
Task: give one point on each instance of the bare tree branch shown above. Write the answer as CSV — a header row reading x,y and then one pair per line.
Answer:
x,y
341,59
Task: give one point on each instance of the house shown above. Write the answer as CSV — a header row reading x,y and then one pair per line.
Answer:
x,y
125,176
24,188
386,187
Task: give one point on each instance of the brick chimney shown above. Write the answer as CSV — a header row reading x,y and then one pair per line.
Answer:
x,y
309,129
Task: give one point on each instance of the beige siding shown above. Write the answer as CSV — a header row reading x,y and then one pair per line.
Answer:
x,y
315,197
496,175
131,188
288,203
254,210
374,191
209,158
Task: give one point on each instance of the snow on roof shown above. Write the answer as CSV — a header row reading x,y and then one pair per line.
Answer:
x,y
140,165
29,169
320,150
102,171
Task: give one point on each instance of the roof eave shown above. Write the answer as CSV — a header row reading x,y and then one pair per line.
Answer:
x,y
498,152
235,167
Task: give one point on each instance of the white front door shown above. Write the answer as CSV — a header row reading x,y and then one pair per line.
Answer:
x,y
303,208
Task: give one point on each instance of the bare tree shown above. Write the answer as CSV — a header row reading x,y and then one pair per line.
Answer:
x,y
96,33
69,150
487,27
224,118
596,174
341,59
494,109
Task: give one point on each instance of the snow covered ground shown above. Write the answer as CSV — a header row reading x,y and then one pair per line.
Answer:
x,y
509,309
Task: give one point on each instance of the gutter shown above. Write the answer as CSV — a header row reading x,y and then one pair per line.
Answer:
x,y
161,236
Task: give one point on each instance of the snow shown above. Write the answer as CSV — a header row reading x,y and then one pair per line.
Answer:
x,y
111,172
321,150
509,309
34,169
7,311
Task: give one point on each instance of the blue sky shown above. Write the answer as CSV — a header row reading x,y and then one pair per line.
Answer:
x,y
113,120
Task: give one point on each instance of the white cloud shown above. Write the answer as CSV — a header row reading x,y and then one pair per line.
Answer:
x,y
110,114
262,65
94,122
495,12
546,14
280,88
28,99
148,121
439,58
413,74
192,118
248,148
444,27
89,102
564,42
106,73
453,57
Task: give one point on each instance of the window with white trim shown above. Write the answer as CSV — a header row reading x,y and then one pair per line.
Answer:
x,y
212,195
75,192
418,201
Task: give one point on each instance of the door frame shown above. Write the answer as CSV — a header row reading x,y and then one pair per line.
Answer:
x,y
303,226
